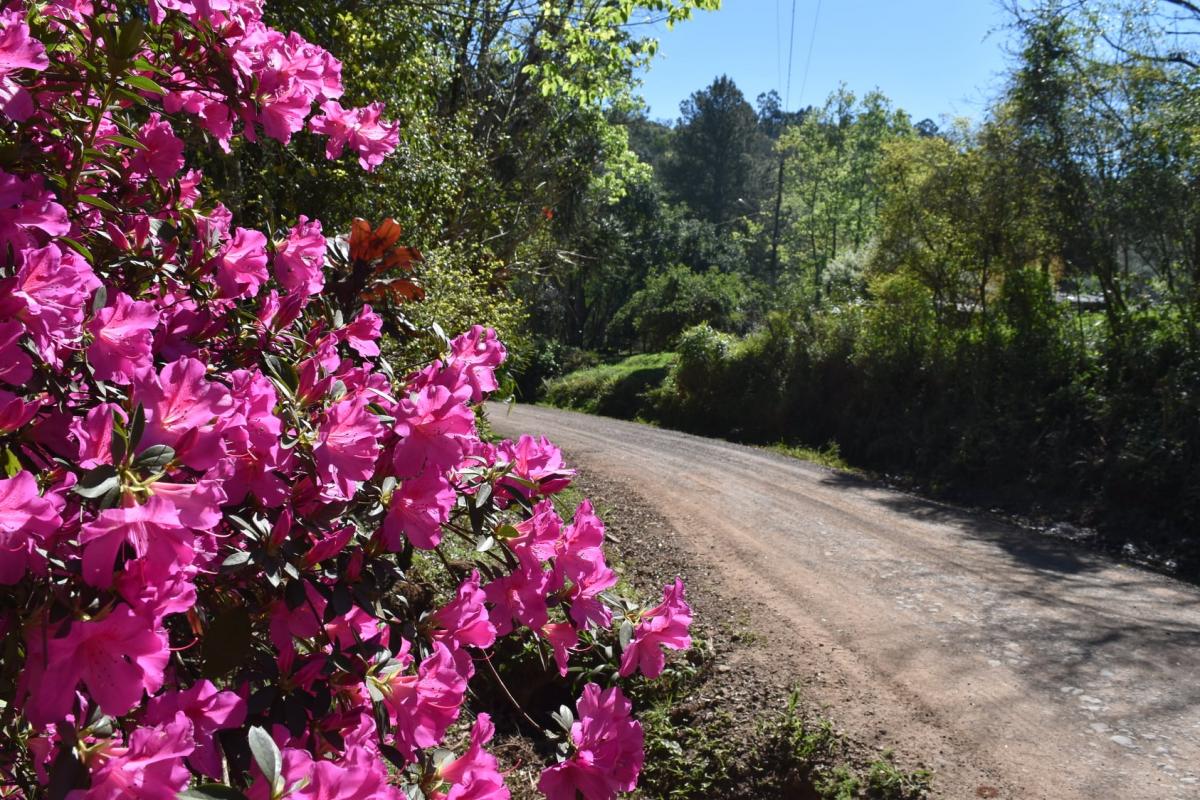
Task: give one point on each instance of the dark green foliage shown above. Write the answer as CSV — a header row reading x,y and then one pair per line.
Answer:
x,y
1020,408
715,163
677,298
614,390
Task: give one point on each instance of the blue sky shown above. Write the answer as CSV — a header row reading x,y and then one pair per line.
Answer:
x,y
933,58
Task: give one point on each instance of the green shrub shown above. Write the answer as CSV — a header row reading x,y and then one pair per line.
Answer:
x,y
615,390
676,298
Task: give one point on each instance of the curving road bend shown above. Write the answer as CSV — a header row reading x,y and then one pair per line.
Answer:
x,y
1016,666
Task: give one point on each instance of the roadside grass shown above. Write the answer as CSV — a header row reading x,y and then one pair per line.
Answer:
x,y
829,456
614,390
619,389
781,754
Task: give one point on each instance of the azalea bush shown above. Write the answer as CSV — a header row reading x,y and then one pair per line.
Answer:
x,y
240,555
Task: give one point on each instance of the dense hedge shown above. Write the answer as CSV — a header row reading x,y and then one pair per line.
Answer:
x,y
1030,401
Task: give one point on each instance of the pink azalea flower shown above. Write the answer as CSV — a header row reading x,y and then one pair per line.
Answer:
x,y
93,433
302,623
300,257
562,637
163,156
186,411
16,367
257,454
172,593
475,775
159,9
27,206
477,353
432,424
48,296
464,620
540,534
358,776
363,333
666,624
242,265
329,546
296,770
214,116
351,779
580,561
150,767
18,51
535,461
358,128
347,447
422,706
608,750
417,510
117,657
16,411
26,520
154,533
124,335
197,504
283,103
208,710
520,596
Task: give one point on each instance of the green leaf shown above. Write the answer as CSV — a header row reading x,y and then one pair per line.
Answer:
x,y
110,498
625,635
266,754
235,560
155,457
128,141
77,247
98,202
145,66
144,83
137,426
131,37
97,482
132,97
118,445
12,464
211,791
506,532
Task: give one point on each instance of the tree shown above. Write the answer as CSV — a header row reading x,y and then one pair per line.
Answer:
x,y
831,189
676,298
715,159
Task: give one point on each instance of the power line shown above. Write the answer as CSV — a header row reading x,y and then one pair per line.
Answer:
x,y
787,94
812,38
778,48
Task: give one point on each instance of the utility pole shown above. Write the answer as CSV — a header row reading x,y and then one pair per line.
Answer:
x,y
775,233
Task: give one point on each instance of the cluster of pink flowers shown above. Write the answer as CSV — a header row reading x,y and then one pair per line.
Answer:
x,y
213,485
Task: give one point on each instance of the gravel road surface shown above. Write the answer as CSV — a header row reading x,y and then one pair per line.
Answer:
x,y
1012,664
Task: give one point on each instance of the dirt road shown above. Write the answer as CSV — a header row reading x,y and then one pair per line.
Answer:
x,y
1014,665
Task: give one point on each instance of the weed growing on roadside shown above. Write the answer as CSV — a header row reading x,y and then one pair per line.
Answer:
x,y
829,456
